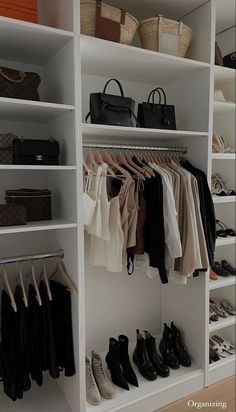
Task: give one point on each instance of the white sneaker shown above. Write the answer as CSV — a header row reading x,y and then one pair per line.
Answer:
x,y
92,393
105,387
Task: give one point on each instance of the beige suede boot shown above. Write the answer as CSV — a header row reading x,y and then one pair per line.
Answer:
x,y
105,387
92,393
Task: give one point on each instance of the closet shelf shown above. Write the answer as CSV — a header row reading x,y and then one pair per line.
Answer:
x,y
222,282
223,362
107,133
222,369
55,224
35,167
223,75
224,107
103,58
223,199
30,43
223,156
222,323
225,241
31,111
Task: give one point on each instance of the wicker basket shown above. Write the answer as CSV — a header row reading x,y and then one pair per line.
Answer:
x,y
165,36
88,20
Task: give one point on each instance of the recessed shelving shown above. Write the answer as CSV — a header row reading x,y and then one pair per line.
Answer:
x,y
223,199
55,224
223,156
222,282
222,323
105,58
31,111
224,107
226,241
94,131
30,43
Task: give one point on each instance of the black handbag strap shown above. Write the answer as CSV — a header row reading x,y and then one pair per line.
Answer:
x,y
117,82
160,92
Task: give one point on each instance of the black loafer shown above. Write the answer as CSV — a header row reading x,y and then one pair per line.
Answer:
x,y
228,267
219,269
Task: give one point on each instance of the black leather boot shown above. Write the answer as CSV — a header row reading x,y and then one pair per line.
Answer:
x,y
179,349
166,348
140,358
125,361
113,363
161,368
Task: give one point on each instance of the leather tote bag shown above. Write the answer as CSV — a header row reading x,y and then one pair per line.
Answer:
x,y
19,85
111,109
36,152
157,116
230,60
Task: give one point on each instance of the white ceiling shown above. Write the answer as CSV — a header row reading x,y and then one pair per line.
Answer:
x,y
175,9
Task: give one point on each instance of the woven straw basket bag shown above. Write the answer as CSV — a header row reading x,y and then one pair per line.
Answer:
x,y
165,36
110,18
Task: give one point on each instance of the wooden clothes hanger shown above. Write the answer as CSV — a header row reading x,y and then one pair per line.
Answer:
x,y
60,268
20,277
32,273
142,170
121,158
98,158
8,288
45,278
109,159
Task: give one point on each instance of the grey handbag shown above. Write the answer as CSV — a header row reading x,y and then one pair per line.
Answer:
x,y
6,148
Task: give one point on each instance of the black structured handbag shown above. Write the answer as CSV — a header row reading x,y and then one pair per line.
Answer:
x,y
111,109
156,116
19,85
36,152
230,60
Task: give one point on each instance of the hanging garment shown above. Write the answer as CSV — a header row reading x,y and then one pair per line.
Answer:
x,y
132,205
95,227
89,204
36,336
124,195
114,250
62,327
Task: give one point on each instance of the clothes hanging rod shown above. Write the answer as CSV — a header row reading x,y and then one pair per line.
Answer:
x,y
181,149
18,259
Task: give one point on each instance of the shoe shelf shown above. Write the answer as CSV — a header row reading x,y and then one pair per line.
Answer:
x,y
30,43
91,132
150,66
223,199
223,156
222,369
54,224
222,282
31,111
224,107
222,323
225,241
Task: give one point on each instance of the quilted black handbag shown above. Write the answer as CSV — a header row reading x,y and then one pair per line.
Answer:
x,y
36,152
112,110
19,85
156,116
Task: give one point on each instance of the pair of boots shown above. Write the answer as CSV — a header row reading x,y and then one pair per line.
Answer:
x,y
172,349
118,363
97,383
147,358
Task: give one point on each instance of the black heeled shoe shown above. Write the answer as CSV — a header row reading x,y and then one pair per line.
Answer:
x,y
125,361
179,349
161,368
166,348
141,359
113,363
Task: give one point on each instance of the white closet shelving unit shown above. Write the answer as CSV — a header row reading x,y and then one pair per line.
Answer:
x,y
71,67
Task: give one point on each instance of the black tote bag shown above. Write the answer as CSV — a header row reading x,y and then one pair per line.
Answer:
x,y
111,109
157,116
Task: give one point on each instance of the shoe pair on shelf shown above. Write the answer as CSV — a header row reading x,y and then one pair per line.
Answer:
x,y
221,307
219,348
223,230
219,186
146,357
220,145
118,363
98,385
172,348
223,269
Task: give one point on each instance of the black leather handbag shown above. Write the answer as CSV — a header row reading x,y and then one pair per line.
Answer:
x,y
156,116
230,60
36,152
112,110
19,85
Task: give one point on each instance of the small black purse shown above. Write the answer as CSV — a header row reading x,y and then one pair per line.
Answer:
x,y
156,116
110,109
36,152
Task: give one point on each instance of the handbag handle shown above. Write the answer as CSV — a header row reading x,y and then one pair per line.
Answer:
x,y
117,82
9,79
161,93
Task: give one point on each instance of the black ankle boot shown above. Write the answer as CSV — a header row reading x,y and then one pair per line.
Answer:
x,y
166,348
179,349
125,361
140,358
161,368
113,363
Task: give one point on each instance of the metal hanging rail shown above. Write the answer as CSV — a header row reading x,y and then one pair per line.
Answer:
x,y
181,149
18,259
